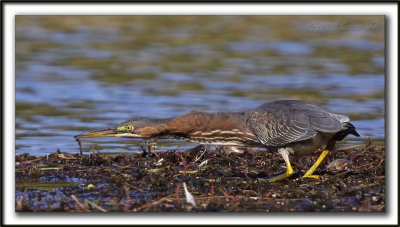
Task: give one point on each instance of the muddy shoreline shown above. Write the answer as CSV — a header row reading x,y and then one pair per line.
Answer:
x,y
352,179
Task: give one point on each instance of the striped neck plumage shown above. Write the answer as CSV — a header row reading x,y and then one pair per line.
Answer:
x,y
223,128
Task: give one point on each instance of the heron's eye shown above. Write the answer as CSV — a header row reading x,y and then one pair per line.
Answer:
x,y
126,128
129,128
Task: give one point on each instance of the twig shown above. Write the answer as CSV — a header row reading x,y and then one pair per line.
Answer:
x,y
201,155
128,199
156,202
134,187
177,190
80,146
226,194
96,206
79,204
369,142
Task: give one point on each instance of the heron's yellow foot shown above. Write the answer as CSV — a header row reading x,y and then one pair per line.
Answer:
x,y
289,172
289,169
309,173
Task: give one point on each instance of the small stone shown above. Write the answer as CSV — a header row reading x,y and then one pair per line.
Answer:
x,y
339,165
90,187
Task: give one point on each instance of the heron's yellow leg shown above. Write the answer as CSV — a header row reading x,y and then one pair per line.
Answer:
x,y
289,169
309,173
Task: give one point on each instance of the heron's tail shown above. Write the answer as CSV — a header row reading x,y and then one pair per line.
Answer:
x,y
348,129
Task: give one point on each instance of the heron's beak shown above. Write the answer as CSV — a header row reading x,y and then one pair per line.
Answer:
x,y
110,132
99,133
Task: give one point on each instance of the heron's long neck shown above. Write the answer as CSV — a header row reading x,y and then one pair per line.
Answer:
x,y
206,122
207,126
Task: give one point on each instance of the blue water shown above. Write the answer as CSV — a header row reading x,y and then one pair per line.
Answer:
x,y
65,96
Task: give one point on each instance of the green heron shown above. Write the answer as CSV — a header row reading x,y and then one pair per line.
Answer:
x,y
286,126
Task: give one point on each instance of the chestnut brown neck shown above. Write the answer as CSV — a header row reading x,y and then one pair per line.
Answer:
x,y
216,128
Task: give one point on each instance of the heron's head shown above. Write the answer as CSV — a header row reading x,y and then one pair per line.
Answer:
x,y
130,129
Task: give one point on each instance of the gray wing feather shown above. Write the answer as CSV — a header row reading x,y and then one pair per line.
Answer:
x,y
341,118
282,122
320,119
278,127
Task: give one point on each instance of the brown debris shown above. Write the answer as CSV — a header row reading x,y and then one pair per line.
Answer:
x,y
351,180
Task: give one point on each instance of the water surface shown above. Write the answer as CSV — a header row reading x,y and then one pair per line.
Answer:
x,y
80,73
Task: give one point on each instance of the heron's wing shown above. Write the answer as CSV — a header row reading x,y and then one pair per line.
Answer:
x,y
320,119
278,124
279,127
